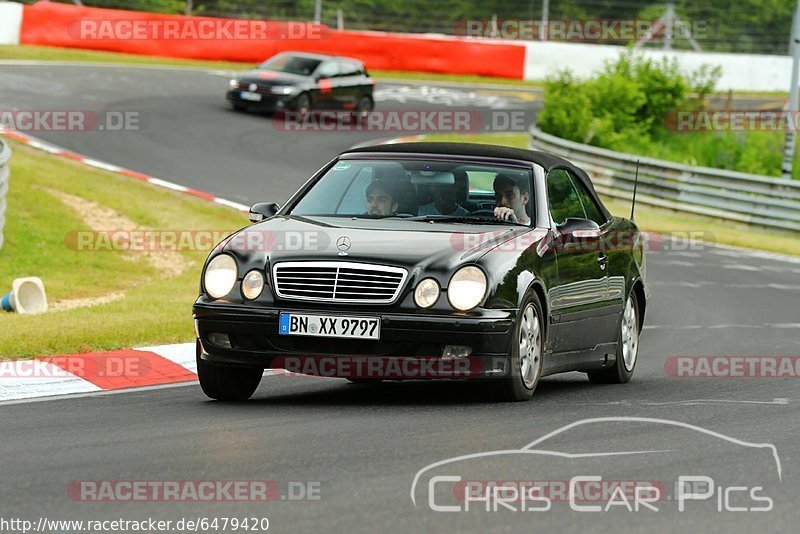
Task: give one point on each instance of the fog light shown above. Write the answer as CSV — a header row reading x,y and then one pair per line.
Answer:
x,y
456,351
220,340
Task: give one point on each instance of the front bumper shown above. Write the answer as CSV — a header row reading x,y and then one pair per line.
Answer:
x,y
254,339
268,102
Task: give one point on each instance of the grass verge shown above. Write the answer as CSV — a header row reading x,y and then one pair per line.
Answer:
x,y
154,308
661,220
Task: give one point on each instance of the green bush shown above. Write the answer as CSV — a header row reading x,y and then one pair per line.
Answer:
x,y
625,107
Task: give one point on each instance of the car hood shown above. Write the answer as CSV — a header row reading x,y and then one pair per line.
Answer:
x,y
401,243
265,77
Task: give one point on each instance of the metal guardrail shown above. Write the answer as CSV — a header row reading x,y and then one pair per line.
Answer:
x,y
5,156
734,196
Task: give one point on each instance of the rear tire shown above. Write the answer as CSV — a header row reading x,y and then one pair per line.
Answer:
x,y
627,347
227,383
526,356
363,108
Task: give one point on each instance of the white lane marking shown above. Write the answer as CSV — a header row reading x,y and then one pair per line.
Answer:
x,y
168,185
716,326
101,165
44,146
693,285
26,379
684,254
232,204
692,402
678,263
736,252
55,396
781,287
740,267
99,393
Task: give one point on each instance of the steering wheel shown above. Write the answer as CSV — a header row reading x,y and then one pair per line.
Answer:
x,y
483,213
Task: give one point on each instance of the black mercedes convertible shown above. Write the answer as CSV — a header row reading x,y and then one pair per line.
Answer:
x,y
426,261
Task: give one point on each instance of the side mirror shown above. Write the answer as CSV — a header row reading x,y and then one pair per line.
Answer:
x,y
579,228
263,210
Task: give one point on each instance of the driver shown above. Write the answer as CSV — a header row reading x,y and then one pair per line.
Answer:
x,y
511,196
381,199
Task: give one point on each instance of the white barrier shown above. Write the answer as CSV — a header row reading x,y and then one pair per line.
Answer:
x,y
740,72
10,23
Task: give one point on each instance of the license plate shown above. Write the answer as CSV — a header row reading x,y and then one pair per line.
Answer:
x,y
297,324
252,97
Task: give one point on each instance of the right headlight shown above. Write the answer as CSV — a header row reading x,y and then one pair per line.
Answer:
x,y
220,276
466,288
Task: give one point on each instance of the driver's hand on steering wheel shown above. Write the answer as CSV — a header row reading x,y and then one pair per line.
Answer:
x,y
506,214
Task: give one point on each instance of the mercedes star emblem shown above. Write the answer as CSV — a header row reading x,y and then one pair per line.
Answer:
x,y
343,243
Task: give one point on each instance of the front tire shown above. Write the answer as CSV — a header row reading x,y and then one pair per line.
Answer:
x,y
303,105
526,355
627,348
227,383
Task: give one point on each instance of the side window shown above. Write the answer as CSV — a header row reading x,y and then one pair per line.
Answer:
x,y
329,69
593,212
563,197
346,68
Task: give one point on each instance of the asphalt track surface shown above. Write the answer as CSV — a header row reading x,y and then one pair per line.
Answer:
x,y
364,445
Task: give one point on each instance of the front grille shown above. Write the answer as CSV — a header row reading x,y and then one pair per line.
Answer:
x,y
336,281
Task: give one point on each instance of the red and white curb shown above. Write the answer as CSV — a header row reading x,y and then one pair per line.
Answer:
x,y
101,371
64,153
97,371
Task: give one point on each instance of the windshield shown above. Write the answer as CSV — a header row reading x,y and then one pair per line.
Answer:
x,y
438,191
303,66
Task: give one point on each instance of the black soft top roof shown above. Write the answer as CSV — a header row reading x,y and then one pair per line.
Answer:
x,y
548,161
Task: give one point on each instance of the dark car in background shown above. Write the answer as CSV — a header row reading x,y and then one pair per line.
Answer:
x,y
294,81
501,258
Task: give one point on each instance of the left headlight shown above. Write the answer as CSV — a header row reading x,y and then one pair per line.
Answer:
x,y
283,89
466,288
252,284
220,276
427,293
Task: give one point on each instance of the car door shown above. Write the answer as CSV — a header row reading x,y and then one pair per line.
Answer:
x,y
611,309
348,87
326,75
579,298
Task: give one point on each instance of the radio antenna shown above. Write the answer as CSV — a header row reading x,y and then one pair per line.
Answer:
x,y
635,185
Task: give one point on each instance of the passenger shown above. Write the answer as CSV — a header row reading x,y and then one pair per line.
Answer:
x,y
511,196
444,202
